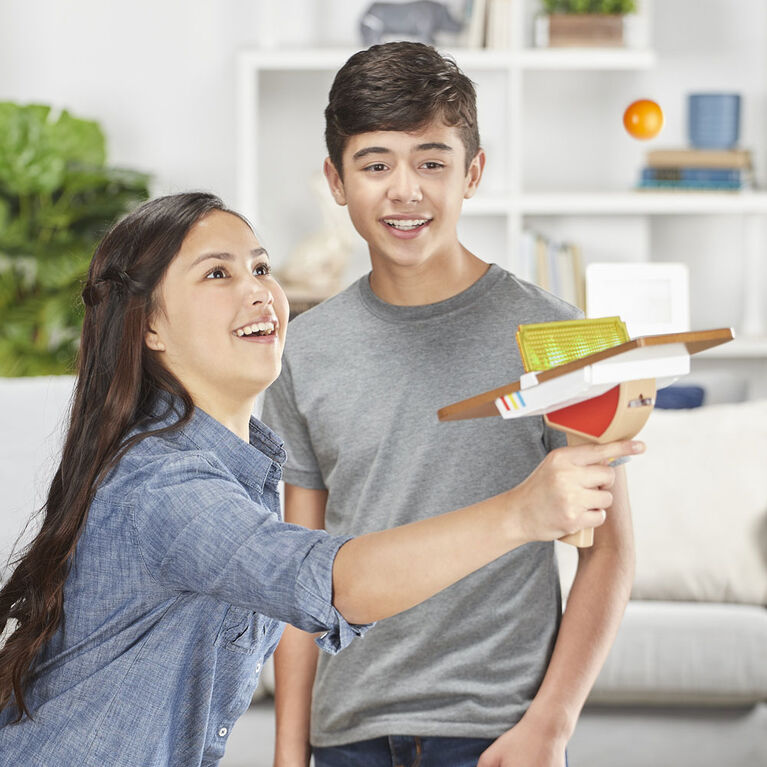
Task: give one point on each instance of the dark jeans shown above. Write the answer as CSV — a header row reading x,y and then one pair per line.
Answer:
x,y
404,751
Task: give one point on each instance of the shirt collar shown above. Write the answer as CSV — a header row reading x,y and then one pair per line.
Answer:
x,y
253,464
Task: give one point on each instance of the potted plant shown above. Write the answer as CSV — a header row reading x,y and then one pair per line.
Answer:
x,y
57,199
582,22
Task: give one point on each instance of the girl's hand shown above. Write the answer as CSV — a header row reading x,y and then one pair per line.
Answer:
x,y
568,491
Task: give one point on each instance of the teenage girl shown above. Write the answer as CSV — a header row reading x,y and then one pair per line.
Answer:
x,y
137,621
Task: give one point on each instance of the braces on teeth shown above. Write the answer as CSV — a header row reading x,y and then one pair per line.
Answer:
x,y
410,224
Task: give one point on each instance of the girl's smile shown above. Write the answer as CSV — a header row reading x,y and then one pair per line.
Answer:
x,y
222,317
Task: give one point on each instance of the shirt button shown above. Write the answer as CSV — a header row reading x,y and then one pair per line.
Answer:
x,y
258,667
222,732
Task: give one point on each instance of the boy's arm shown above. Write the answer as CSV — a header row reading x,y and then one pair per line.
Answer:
x,y
296,658
590,622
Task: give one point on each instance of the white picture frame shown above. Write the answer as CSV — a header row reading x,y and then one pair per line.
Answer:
x,y
651,298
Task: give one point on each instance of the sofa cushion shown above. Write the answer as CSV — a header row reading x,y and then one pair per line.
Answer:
x,y
669,653
699,502
33,418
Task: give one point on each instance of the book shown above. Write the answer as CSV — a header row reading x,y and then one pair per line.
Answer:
x,y
477,14
570,279
702,186
733,176
498,24
554,266
699,158
541,276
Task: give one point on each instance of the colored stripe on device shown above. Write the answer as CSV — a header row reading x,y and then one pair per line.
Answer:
x,y
513,401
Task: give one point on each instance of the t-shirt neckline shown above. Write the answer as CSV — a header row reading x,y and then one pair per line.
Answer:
x,y
395,313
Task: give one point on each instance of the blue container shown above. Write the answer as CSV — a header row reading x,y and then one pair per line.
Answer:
x,y
714,120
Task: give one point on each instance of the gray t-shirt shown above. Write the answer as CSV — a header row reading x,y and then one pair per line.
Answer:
x,y
357,403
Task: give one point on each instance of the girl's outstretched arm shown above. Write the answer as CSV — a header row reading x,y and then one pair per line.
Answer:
x,y
381,574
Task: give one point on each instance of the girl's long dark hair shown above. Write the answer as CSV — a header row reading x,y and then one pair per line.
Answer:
x,y
118,378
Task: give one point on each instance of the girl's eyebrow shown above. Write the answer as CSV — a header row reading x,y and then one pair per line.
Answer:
x,y
226,256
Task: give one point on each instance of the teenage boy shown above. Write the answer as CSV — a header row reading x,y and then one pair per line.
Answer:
x,y
489,669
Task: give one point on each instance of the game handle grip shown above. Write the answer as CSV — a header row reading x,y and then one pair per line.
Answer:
x,y
616,415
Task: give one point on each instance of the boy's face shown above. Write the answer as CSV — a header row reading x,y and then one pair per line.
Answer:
x,y
405,192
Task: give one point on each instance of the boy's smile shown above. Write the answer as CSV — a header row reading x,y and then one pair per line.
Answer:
x,y
404,191
406,226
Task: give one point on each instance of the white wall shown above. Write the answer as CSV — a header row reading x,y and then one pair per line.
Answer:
x,y
157,74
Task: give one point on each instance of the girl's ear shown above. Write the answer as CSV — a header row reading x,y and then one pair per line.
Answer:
x,y
152,340
474,174
335,182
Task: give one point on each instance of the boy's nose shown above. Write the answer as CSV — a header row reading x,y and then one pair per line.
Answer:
x,y
404,187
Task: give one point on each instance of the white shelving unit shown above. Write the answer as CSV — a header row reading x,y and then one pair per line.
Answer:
x,y
510,207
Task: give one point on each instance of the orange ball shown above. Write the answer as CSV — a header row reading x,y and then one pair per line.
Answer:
x,y
643,119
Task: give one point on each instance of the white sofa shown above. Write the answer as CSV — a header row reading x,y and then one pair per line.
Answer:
x,y
686,681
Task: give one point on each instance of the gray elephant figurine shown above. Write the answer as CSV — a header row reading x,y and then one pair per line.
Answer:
x,y
419,20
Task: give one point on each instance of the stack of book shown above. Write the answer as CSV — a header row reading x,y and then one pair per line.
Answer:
x,y
698,169
554,266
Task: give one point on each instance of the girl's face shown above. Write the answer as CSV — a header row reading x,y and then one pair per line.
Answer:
x,y
221,322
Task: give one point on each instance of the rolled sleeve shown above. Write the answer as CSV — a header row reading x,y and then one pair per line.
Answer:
x,y
198,530
315,579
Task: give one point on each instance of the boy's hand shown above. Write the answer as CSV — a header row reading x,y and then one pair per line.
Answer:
x,y
568,491
525,746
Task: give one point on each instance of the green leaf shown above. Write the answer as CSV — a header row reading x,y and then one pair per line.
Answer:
x,y
57,199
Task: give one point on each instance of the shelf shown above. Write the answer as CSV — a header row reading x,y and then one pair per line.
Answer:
x,y
741,348
507,212
618,203
475,59
585,58
481,205
640,203
294,59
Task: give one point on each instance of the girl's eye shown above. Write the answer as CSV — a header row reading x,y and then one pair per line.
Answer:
x,y
216,274
262,270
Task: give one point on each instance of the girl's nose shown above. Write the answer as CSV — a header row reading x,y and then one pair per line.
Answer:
x,y
258,292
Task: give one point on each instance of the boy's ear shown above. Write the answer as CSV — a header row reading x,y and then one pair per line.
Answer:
x,y
334,181
474,174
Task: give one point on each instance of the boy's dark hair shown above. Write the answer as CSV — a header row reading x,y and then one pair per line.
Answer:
x,y
399,86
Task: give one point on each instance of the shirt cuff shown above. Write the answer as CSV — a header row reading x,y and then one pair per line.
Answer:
x,y
315,578
341,635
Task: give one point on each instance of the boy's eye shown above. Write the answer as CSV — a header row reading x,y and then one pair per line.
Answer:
x,y
433,165
262,270
376,167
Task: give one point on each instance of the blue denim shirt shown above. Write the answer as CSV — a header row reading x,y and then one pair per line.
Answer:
x,y
180,585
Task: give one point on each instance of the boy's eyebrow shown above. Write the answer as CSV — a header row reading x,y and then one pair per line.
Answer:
x,y
434,145
226,256
431,145
370,150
